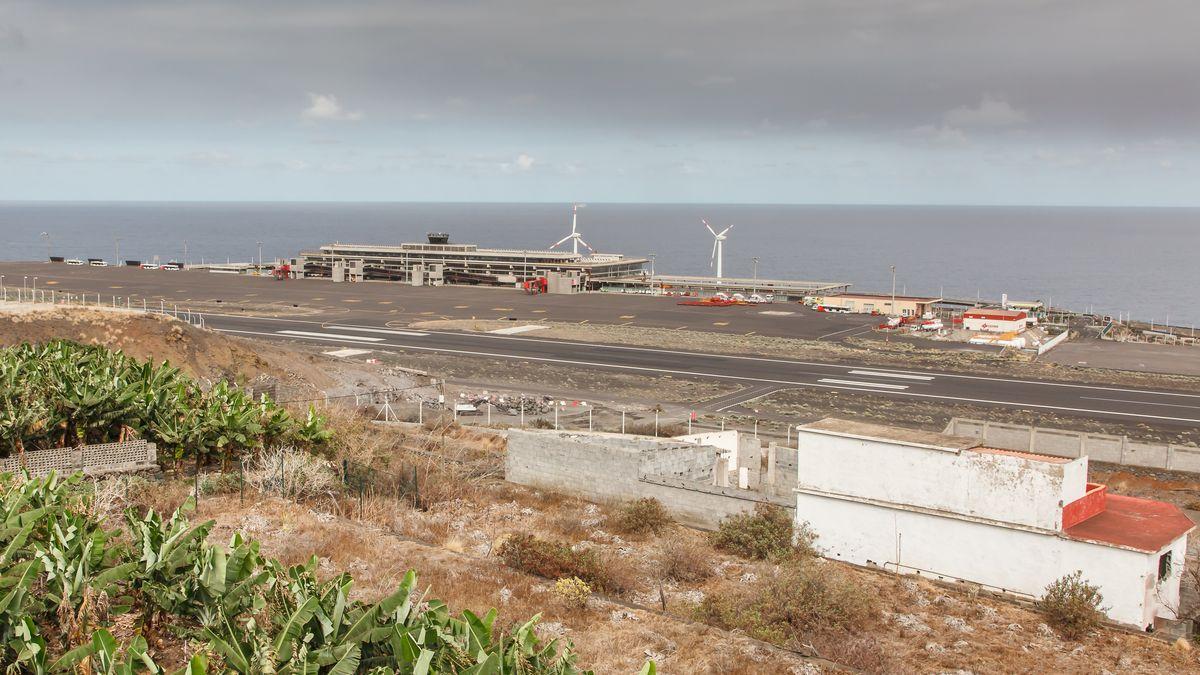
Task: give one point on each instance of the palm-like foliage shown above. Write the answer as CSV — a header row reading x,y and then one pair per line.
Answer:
x,y
253,614
62,393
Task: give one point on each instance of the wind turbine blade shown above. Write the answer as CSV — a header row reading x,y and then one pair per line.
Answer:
x,y
725,230
589,246
561,241
713,260
714,233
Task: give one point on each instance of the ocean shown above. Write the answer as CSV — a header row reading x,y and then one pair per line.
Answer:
x,y
1142,261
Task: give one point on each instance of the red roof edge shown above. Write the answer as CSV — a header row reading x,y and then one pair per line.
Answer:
x,y
1129,522
1091,503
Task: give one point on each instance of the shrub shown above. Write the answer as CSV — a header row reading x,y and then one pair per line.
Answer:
x,y
1072,605
642,516
665,430
292,473
573,592
539,423
799,596
685,560
557,560
766,534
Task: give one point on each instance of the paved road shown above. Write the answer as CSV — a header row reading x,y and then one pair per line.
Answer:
x,y
759,375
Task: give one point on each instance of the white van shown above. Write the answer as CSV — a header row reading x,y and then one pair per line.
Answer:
x,y
74,261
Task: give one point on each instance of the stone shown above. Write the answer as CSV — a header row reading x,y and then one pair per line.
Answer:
x,y
958,624
910,622
934,648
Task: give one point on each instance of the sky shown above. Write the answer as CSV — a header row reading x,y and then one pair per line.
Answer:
x,y
1072,102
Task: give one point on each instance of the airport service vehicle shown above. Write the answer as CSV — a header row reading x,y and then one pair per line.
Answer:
x,y
171,266
74,261
931,324
281,272
98,263
830,309
148,266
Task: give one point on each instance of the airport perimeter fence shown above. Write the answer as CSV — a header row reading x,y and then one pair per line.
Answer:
x,y
54,297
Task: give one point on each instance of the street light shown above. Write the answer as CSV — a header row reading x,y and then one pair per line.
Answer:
x,y
46,236
755,259
260,255
117,257
652,257
893,289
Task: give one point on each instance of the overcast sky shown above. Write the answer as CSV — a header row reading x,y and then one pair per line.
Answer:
x,y
832,101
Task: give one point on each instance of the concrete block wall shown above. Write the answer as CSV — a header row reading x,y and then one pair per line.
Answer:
x,y
611,467
1064,443
93,460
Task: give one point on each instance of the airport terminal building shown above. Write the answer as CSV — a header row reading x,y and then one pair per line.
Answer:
x,y
438,262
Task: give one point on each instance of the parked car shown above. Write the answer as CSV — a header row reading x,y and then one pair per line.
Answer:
x,y
98,263
74,261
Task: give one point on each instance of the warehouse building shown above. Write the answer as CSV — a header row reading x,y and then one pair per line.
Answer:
x,y
864,303
946,507
995,320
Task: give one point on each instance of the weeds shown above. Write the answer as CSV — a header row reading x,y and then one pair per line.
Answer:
x,y
642,517
557,560
573,592
1072,605
685,560
766,534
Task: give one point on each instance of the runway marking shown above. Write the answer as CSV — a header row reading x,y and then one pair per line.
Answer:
x,y
1122,400
881,385
903,376
776,312
762,359
584,321
751,333
627,316
51,283
426,314
326,336
720,323
351,300
790,383
251,295
116,287
317,299
838,332
384,331
539,311
513,330
502,309
462,307
385,302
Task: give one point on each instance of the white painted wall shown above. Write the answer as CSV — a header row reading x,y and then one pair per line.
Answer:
x,y
1012,560
994,325
982,485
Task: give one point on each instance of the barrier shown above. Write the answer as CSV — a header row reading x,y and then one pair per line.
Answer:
x,y
93,460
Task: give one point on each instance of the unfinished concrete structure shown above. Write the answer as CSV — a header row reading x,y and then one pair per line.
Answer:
x,y
947,507
697,477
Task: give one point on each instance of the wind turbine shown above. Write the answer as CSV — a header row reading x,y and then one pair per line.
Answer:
x,y
575,238
718,245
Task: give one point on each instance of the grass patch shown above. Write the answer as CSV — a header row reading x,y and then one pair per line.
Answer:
x,y
642,517
766,534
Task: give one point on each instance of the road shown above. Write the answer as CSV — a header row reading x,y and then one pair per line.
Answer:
x,y
758,375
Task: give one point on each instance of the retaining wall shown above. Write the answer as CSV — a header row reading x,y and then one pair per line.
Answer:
x,y
1063,443
93,460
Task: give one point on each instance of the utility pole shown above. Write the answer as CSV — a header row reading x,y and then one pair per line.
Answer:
x,y
260,255
894,289
755,259
117,257
185,253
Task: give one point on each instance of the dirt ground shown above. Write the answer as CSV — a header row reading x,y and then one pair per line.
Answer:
x,y
857,350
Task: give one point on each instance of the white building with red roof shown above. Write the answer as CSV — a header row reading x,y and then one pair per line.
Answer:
x,y
994,320
945,507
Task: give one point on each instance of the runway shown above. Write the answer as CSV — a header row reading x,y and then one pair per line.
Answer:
x,y
758,375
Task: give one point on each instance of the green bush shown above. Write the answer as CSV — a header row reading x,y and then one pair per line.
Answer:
x,y
1072,605
766,534
557,560
642,517
799,596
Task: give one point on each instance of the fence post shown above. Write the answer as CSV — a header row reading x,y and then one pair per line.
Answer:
x,y
521,405
756,429
489,415
556,415
590,419
622,421
656,424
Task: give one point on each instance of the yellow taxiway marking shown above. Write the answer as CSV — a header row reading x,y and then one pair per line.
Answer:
x,y
502,309
462,307
628,316
51,283
720,323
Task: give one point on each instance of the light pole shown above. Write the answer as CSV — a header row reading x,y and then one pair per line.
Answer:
x,y
46,236
35,284
260,255
117,251
24,283
893,289
755,259
185,253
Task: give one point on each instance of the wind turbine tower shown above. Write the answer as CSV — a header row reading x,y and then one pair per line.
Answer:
x,y
718,251
575,237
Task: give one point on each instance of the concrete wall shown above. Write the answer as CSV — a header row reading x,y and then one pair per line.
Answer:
x,y
996,487
1011,560
611,467
93,460
1063,443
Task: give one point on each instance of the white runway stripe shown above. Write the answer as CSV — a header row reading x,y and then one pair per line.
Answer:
x,y
878,385
385,331
872,373
327,336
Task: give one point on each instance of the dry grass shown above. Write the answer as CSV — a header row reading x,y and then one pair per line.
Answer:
x,y
685,559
